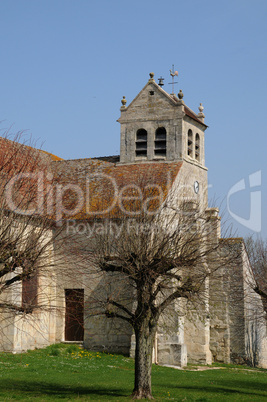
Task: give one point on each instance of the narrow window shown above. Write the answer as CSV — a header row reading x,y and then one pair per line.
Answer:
x,y
160,142
190,143
141,143
29,292
74,315
197,147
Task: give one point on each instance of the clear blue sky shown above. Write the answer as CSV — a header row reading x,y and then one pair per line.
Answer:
x,y
65,66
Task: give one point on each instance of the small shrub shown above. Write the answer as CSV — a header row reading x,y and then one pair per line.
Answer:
x,y
73,349
54,350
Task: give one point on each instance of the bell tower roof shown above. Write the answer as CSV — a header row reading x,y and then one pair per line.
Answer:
x,y
173,99
154,126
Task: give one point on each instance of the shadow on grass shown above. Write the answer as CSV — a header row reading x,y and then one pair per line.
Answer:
x,y
49,389
249,385
52,390
242,388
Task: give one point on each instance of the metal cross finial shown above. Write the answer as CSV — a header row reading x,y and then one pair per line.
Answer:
x,y
173,74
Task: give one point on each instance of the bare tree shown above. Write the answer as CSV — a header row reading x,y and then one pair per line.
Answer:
x,y
145,264
27,230
257,280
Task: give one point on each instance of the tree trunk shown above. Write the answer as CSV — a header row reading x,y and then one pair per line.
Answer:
x,y
143,362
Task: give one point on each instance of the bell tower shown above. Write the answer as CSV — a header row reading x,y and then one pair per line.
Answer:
x,y
159,127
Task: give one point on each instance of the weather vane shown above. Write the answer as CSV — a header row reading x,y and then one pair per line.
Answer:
x,y
173,74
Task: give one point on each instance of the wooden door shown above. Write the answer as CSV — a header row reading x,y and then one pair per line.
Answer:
x,y
74,322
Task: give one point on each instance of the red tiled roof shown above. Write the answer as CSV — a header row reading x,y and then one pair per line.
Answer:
x,y
53,157
84,188
109,189
22,169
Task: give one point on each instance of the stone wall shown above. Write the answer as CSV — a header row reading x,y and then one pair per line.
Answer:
x,y
21,330
238,327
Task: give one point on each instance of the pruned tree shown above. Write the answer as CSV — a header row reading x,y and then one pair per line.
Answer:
x,y
152,260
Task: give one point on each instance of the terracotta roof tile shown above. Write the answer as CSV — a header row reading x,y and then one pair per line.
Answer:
x,y
22,167
85,188
53,157
109,190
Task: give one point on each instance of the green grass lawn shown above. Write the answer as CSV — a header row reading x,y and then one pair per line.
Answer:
x,y
68,372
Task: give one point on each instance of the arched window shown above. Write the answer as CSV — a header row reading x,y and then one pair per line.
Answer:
x,y
190,143
197,147
160,142
141,143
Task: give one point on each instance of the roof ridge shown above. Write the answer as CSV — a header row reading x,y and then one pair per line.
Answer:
x,y
189,112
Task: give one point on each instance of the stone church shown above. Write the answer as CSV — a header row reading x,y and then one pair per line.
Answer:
x,y
159,133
